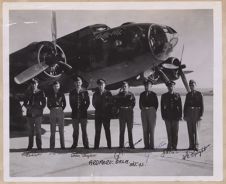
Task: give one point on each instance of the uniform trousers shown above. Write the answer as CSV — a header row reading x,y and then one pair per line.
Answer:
x,y
193,125
34,126
172,127
148,117
125,118
99,121
75,124
56,118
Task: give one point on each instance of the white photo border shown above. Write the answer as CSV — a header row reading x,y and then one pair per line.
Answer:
x,y
217,103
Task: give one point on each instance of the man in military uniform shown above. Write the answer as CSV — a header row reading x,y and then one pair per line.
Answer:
x,y
35,102
148,104
125,103
171,110
56,103
102,105
193,111
79,102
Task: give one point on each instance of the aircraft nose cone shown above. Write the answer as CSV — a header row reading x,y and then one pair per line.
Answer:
x,y
162,40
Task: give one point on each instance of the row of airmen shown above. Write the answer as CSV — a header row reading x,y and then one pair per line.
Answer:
x,y
171,111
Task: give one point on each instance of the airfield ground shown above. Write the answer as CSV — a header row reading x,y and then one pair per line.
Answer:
x,y
115,162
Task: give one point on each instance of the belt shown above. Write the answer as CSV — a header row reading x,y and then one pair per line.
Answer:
x,y
124,107
56,107
194,107
147,108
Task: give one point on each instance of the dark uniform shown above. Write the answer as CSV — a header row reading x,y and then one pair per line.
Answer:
x,y
56,103
171,110
102,105
125,103
193,111
35,103
148,104
79,102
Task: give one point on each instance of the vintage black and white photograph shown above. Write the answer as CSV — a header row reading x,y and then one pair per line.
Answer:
x,y
112,91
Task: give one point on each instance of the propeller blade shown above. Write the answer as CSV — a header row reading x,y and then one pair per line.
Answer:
x,y
184,80
30,73
183,77
188,71
54,29
66,66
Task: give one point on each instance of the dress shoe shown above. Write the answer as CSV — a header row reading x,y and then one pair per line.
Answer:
x,y
29,148
195,149
73,146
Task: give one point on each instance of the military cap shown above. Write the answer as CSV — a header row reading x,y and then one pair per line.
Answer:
x,y
191,82
101,81
170,83
77,78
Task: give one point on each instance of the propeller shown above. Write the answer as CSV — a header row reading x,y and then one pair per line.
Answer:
x,y
176,64
183,77
30,73
50,57
54,30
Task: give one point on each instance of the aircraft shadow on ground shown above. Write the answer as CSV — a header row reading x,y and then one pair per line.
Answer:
x,y
81,150
21,130
23,133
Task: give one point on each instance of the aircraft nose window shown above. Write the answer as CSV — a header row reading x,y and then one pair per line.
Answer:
x,y
161,41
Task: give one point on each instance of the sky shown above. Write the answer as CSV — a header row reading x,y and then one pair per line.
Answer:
x,y
194,28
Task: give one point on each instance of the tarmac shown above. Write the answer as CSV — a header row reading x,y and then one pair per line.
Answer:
x,y
115,162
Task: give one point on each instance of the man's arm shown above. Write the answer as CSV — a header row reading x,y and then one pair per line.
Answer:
x,y
43,100
87,100
185,105
71,100
156,103
63,101
133,100
180,106
201,105
162,107
94,100
140,101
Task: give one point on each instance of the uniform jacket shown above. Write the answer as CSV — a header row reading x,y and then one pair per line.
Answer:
x,y
194,99
148,99
102,103
79,103
171,107
125,99
35,103
56,100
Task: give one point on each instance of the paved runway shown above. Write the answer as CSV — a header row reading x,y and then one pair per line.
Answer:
x,y
116,162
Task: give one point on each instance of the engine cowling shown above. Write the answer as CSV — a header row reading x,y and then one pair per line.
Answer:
x,y
46,53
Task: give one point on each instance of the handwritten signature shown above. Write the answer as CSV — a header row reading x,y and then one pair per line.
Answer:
x,y
30,154
189,154
84,155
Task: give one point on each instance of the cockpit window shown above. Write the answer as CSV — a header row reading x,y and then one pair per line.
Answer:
x,y
99,28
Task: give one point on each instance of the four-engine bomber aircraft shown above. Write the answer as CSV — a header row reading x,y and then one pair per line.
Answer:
x,y
131,52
